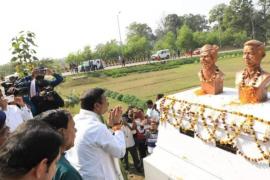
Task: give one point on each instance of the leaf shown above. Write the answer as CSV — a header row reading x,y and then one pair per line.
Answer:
x,y
31,41
13,59
27,56
21,38
25,46
33,51
35,58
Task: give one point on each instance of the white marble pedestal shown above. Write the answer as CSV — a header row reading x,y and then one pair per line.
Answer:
x,y
178,156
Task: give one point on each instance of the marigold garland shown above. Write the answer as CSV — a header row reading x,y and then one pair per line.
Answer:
x,y
231,131
200,92
247,94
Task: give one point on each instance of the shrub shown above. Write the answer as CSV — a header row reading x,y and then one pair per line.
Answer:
x,y
119,97
114,95
71,100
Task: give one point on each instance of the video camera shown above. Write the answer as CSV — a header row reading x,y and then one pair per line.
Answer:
x,y
13,86
47,92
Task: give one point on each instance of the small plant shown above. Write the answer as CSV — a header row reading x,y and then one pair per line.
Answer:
x,y
22,47
72,99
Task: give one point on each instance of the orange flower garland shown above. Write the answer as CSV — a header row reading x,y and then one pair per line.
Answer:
x,y
248,94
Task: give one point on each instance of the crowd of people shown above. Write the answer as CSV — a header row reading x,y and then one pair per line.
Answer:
x,y
52,144
140,132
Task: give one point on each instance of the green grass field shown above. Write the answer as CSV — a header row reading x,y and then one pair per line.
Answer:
x,y
147,85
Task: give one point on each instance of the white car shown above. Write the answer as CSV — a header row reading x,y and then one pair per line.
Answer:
x,y
161,54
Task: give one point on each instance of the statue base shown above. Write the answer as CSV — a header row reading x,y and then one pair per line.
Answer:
x,y
180,154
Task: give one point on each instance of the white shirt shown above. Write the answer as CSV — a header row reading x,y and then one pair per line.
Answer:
x,y
95,148
153,114
128,135
15,116
33,88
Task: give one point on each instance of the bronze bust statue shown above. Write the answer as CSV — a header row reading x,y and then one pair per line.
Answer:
x,y
253,81
211,77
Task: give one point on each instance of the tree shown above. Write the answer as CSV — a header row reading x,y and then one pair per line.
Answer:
x,y
239,39
167,42
240,17
108,51
216,15
160,31
196,22
200,38
139,29
75,58
172,23
87,53
264,17
137,47
23,51
185,38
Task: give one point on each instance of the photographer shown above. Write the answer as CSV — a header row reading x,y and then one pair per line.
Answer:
x,y
9,83
15,109
41,91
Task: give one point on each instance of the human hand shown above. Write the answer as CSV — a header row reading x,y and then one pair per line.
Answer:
x,y
49,72
19,100
3,104
115,116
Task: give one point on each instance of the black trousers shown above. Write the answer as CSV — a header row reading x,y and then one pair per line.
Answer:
x,y
134,154
141,145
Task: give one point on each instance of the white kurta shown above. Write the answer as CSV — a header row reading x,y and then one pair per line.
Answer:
x,y
95,148
15,116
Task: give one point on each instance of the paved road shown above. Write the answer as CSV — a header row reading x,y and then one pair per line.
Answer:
x,y
145,62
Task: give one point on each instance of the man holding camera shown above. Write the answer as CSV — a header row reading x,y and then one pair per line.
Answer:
x,y
15,109
41,94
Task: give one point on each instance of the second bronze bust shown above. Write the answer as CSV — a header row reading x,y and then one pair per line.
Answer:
x,y
211,77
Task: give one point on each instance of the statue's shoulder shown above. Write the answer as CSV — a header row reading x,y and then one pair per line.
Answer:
x,y
238,77
266,74
240,73
221,74
265,77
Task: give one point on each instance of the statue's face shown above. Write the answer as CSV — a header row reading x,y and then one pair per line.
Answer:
x,y
251,57
207,60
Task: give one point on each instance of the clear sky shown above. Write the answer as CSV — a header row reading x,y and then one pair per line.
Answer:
x,y
64,26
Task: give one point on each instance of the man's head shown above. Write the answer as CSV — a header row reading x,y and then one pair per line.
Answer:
x,y
253,53
39,73
159,96
130,111
94,100
31,152
62,121
139,114
149,104
153,125
208,56
4,129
